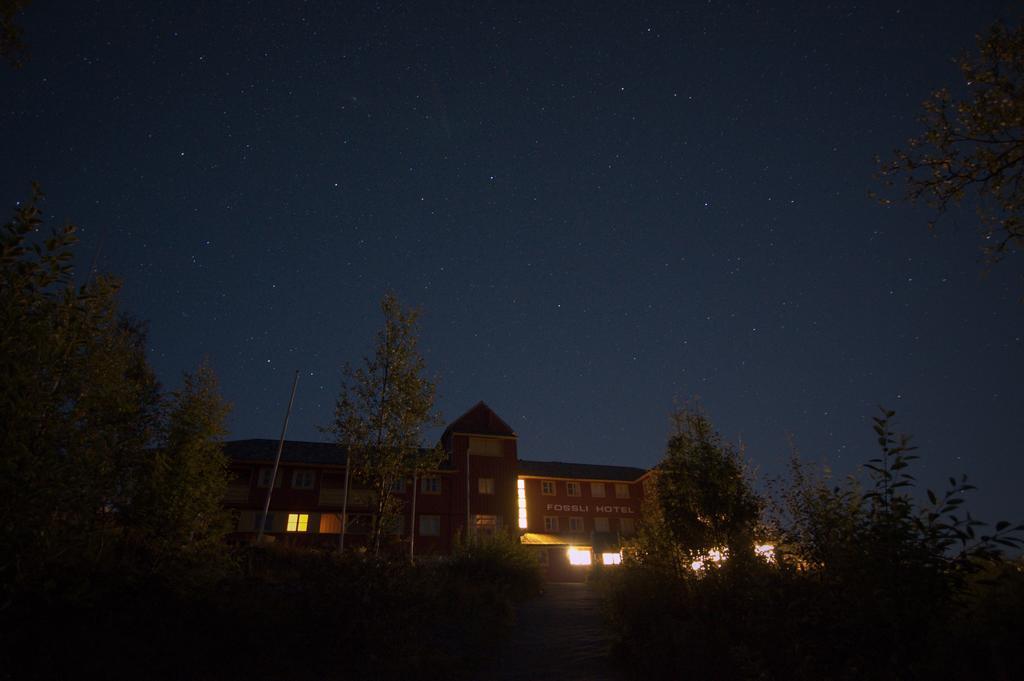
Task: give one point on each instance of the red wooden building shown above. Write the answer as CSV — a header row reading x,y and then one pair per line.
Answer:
x,y
571,514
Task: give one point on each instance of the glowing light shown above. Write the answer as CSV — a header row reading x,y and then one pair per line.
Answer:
x,y
765,551
298,522
523,524
578,556
611,558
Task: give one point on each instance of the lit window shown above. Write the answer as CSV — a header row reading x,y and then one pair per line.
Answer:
x,y
303,479
578,556
551,523
765,552
611,558
521,493
298,522
601,525
547,487
485,485
430,525
264,479
572,489
430,485
575,524
627,526
621,490
597,489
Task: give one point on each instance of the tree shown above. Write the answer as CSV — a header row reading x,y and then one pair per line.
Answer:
x,y
78,402
180,514
974,146
381,412
12,47
704,502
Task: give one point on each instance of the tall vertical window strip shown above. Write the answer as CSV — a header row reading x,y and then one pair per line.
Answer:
x,y
523,524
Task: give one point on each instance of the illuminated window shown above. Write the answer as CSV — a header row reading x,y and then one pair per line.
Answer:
x,y
430,525
572,489
547,487
303,479
430,485
621,490
330,523
601,525
521,494
485,485
611,558
627,526
551,523
578,556
597,489
298,522
575,524
264,479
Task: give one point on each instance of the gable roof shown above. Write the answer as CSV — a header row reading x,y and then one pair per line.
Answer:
x,y
580,471
318,453
480,419
293,452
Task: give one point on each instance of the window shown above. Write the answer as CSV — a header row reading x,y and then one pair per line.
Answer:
x,y
572,489
268,522
600,525
578,556
575,524
485,485
303,479
485,446
398,486
551,523
264,479
626,526
430,525
298,522
430,485
394,524
330,523
547,487
621,490
597,489
485,524
542,557
359,523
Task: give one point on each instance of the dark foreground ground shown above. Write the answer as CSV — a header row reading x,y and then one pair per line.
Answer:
x,y
560,635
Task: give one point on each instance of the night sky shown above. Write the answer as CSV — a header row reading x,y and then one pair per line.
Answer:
x,y
600,209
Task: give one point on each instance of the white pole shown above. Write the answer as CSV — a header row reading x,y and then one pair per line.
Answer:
x,y
277,460
344,500
412,521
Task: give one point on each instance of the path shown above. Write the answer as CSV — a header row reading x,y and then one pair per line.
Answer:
x,y
559,635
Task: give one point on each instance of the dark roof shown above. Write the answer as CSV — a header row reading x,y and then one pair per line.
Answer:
x,y
323,453
296,452
585,471
480,419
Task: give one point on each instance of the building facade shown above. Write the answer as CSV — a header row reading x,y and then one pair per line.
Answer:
x,y
572,515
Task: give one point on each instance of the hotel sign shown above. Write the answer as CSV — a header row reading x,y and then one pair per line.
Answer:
x,y
585,508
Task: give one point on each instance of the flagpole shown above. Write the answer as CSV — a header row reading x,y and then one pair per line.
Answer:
x,y
277,460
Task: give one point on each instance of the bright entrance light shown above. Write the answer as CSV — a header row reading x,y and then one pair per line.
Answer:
x,y
579,556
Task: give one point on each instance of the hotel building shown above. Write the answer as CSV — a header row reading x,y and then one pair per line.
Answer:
x,y
572,515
